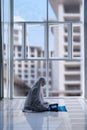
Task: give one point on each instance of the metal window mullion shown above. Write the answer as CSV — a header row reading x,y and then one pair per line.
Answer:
x,y
24,41
42,22
11,64
85,46
70,48
30,22
1,88
46,47
10,67
47,50
2,5
31,59
46,54
66,59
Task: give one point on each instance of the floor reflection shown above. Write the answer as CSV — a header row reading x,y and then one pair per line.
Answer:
x,y
39,120
12,117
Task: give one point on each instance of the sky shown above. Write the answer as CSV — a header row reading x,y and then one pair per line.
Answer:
x,y
31,10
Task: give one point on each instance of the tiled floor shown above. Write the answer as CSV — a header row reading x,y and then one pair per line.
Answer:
x,y
12,117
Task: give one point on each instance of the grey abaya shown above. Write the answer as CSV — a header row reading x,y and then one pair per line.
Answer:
x,y
34,99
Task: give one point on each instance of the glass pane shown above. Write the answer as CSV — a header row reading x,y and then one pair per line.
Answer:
x,y
6,10
5,78
51,12
35,35
65,10
18,51
67,79
26,74
28,41
58,40
29,10
5,39
5,59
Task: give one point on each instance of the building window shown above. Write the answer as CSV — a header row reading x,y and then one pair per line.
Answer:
x,y
65,38
73,18
32,49
32,55
76,49
76,29
19,48
19,65
32,76
19,55
72,87
50,65
26,76
32,71
65,48
19,76
72,68
50,82
26,66
26,49
50,74
4,46
72,8
76,38
65,29
32,66
76,55
16,31
39,54
72,77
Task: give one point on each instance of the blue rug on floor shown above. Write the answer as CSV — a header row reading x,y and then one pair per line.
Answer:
x,y
62,108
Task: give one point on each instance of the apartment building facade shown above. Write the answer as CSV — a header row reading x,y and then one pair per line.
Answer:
x,y
68,76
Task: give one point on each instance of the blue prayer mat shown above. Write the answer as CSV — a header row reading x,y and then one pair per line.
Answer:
x,y
56,108
62,108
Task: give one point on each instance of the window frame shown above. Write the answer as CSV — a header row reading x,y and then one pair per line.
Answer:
x,y
46,58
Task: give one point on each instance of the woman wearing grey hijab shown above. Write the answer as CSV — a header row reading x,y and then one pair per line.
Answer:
x,y
34,99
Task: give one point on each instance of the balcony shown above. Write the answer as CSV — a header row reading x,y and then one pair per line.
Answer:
x,y
59,93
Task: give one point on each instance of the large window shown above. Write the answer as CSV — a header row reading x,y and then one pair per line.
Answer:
x,y
47,41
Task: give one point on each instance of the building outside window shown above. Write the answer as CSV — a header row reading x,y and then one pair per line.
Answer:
x,y
52,47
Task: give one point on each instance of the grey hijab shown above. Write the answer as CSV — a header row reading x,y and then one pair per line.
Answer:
x,y
34,100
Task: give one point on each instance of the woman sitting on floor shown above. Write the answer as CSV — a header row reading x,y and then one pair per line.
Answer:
x,y
34,99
